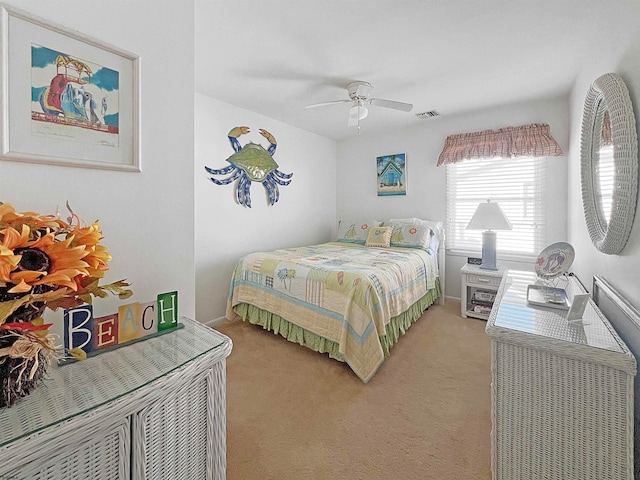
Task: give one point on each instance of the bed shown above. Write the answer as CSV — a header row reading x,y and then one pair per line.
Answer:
x,y
352,298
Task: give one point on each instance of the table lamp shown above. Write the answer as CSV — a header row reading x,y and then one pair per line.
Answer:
x,y
488,217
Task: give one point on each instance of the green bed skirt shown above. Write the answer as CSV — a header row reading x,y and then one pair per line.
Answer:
x,y
278,325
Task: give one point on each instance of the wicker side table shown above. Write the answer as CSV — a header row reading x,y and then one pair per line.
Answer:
x,y
152,410
562,396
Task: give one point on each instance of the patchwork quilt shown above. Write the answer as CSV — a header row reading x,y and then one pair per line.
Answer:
x,y
344,292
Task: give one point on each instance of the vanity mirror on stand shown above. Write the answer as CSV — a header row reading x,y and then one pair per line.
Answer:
x,y
609,163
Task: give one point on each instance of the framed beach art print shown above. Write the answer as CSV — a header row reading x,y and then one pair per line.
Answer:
x,y
392,174
66,98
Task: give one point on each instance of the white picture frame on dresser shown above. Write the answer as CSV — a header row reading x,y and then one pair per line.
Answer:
x,y
578,306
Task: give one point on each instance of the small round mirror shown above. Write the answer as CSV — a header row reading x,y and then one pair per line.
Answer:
x,y
609,163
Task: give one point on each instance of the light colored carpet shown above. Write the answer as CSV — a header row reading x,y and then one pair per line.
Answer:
x,y
296,414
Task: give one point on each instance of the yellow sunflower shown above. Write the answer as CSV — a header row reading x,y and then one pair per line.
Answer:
x,y
36,223
67,264
43,261
98,255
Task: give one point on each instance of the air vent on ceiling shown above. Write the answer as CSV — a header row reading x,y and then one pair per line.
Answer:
x,y
430,114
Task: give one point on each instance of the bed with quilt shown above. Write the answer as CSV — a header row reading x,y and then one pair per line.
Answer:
x,y
352,298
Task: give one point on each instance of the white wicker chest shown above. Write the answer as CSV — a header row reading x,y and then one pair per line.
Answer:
x,y
562,395
152,410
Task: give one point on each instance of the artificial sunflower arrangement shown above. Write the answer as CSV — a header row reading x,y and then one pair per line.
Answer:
x,y
45,262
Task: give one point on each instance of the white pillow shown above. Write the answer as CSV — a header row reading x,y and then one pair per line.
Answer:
x,y
437,229
410,235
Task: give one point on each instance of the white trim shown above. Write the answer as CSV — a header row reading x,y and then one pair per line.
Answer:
x,y
216,321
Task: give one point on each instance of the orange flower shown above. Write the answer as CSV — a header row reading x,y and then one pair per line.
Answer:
x,y
66,264
8,262
57,256
42,261
19,275
98,256
7,212
10,218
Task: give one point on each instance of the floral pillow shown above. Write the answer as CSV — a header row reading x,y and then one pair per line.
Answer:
x,y
410,235
436,229
355,232
379,237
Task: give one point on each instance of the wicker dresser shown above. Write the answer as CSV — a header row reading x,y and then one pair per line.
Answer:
x,y
151,410
562,396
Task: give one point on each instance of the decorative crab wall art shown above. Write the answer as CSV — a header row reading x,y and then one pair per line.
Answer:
x,y
252,163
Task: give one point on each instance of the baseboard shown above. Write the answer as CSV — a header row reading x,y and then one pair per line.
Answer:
x,y
216,321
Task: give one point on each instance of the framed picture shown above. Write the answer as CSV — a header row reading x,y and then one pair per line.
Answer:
x,y
392,174
66,98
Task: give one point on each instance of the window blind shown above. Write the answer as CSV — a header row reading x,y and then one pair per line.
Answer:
x,y
518,185
605,174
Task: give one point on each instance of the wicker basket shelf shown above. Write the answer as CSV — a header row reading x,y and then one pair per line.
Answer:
x,y
126,414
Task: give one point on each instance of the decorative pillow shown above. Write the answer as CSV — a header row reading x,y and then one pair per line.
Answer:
x,y
437,229
355,232
379,237
410,235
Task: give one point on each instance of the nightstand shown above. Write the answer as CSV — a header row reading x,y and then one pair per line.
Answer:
x,y
479,288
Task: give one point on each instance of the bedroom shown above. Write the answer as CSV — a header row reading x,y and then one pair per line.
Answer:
x,y
172,196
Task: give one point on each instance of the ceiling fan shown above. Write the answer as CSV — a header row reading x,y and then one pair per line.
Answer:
x,y
359,97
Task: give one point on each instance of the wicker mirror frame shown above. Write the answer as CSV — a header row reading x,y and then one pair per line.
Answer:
x,y
609,94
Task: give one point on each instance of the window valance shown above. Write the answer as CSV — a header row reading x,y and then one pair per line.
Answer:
x,y
533,140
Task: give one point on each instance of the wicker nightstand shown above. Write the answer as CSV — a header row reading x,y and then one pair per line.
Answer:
x,y
561,395
479,288
152,410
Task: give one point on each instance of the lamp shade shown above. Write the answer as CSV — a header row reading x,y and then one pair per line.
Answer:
x,y
357,112
489,216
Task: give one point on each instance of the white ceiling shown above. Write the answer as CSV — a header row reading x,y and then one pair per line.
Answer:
x,y
274,57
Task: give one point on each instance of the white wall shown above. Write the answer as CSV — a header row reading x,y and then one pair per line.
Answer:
x,y
225,230
615,47
147,217
426,195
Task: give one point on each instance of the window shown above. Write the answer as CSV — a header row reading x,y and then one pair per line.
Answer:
x,y
517,184
605,175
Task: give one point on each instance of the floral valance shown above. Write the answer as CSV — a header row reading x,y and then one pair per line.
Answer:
x,y
533,140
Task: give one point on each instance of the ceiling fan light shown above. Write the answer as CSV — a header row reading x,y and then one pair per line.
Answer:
x,y
358,111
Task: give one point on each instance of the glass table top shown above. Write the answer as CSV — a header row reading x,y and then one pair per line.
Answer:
x,y
73,389
516,314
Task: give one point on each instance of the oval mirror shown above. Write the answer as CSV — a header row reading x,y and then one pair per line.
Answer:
x,y
609,163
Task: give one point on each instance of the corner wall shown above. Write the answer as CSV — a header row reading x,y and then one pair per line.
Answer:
x,y
615,47
146,217
426,183
225,230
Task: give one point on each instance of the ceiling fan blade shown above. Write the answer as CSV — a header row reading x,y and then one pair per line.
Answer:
x,y
405,107
335,102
